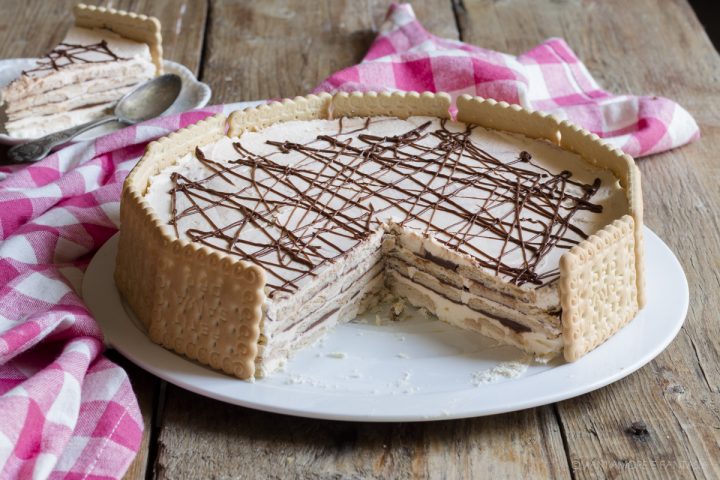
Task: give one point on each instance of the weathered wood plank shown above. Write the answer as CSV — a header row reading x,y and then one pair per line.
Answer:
x,y
651,47
204,438
274,49
183,26
29,29
278,48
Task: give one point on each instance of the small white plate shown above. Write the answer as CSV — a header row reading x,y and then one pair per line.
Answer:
x,y
194,94
414,370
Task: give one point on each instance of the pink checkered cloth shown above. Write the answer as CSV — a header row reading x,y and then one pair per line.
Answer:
x,y
549,77
67,412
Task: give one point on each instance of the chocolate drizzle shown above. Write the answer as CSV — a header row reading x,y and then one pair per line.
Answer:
x,y
294,217
69,54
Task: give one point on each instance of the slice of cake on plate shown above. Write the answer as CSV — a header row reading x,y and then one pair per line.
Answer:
x,y
239,247
105,55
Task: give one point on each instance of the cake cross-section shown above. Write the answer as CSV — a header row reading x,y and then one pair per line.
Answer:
x,y
103,56
307,212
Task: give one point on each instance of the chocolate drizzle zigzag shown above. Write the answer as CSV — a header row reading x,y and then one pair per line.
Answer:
x,y
66,54
293,219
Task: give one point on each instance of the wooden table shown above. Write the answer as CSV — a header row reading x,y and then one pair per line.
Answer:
x,y
249,50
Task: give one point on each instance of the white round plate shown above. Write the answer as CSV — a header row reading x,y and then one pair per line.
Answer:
x,y
194,94
413,370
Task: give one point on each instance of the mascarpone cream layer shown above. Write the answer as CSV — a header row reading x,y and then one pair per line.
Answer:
x,y
73,96
36,127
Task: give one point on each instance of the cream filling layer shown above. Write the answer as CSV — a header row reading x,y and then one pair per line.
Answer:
x,y
538,343
510,317
361,294
74,96
414,248
35,127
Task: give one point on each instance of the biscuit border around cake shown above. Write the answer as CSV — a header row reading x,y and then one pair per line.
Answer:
x,y
140,28
208,305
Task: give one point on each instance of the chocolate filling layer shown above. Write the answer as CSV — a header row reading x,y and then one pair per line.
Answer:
x,y
440,261
511,324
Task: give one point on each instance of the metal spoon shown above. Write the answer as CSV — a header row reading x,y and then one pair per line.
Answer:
x,y
149,100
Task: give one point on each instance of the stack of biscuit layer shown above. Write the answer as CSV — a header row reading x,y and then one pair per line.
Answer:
x,y
104,56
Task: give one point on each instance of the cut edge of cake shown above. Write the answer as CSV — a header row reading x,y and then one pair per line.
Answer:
x,y
601,279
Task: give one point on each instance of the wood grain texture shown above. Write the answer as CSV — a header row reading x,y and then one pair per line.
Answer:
x,y
278,48
658,48
183,26
202,438
33,28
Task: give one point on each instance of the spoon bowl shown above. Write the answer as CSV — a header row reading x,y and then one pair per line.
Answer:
x,y
149,100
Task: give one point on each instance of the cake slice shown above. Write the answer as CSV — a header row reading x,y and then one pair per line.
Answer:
x,y
105,55
305,213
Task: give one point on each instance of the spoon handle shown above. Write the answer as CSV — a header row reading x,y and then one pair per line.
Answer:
x,y
38,149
